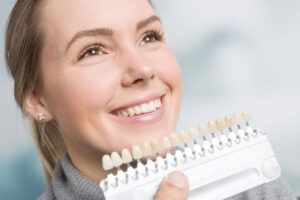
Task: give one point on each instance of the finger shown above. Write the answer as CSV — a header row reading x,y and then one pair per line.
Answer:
x,y
175,186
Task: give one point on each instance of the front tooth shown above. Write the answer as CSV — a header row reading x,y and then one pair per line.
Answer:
x,y
137,110
174,139
166,143
157,103
107,163
126,156
147,150
145,108
116,159
130,112
152,106
125,114
184,137
156,146
137,152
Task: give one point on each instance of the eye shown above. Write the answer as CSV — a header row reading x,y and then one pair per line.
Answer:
x,y
152,36
93,50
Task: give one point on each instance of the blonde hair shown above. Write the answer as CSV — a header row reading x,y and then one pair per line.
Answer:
x,y
22,52
24,42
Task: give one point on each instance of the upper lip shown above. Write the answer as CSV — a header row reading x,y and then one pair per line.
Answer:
x,y
138,101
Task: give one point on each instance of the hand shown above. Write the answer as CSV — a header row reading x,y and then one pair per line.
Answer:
x,y
174,187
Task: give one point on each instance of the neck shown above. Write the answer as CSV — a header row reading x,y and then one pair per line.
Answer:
x,y
87,162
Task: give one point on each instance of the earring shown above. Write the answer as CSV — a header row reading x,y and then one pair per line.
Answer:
x,y
42,117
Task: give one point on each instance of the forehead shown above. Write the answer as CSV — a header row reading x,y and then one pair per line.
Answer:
x,y
63,18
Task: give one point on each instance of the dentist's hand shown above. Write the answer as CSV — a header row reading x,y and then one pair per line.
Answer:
x,y
175,186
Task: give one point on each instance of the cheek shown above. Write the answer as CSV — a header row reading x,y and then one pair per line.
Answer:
x,y
77,92
169,71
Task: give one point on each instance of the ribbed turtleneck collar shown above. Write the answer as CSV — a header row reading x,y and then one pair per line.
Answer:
x,y
68,183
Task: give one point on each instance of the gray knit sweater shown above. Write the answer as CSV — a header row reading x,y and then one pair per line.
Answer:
x,y
69,184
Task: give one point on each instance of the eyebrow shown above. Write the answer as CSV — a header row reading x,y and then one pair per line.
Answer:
x,y
108,31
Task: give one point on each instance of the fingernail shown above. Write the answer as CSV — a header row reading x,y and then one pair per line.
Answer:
x,y
177,179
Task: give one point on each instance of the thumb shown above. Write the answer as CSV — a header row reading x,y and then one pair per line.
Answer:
x,y
174,187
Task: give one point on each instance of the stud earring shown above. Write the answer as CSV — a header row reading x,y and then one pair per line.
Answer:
x,y
42,117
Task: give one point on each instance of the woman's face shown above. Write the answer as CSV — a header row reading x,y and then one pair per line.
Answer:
x,y
110,80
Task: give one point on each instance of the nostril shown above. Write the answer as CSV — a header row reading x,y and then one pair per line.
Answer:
x,y
138,81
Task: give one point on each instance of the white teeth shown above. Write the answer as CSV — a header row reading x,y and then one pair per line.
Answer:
x,y
174,139
147,150
220,124
137,152
116,159
246,115
166,143
143,108
151,106
126,156
211,126
184,137
202,130
157,103
156,146
137,110
107,163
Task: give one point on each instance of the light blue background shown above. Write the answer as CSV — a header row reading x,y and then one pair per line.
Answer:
x,y
234,55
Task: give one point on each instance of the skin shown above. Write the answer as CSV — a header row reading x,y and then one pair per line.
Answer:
x,y
80,94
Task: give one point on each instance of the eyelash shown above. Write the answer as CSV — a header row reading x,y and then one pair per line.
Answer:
x,y
154,33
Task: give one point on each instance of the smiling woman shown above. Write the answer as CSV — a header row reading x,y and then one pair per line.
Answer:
x,y
94,77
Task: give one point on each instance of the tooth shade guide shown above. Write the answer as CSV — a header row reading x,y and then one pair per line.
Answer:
x,y
205,157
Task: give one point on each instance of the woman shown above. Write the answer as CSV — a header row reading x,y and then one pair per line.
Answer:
x,y
88,74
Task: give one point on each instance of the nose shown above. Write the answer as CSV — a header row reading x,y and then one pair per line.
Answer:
x,y
138,72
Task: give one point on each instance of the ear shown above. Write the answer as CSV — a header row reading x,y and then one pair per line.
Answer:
x,y
34,105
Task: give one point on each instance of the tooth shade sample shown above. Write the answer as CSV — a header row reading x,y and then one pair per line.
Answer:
x,y
193,133
137,152
246,115
107,163
166,143
229,121
202,130
175,140
126,156
237,118
220,124
184,137
212,128
147,150
116,159
156,146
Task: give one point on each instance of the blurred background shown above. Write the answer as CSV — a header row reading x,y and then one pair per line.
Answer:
x,y
234,55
